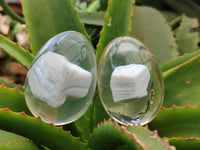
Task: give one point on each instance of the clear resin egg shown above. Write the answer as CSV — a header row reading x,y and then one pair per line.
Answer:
x,y
130,82
61,81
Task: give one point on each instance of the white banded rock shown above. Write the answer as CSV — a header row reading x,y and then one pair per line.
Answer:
x,y
129,81
52,78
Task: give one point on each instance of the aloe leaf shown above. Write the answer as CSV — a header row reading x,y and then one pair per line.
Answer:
x,y
98,5
177,122
23,56
150,27
171,16
20,145
117,23
149,138
177,61
175,22
11,84
98,113
52,19
186,39
13,99
109,135
6,137
40,132
184,143
92,18
80,128
84,126
94,6
182,83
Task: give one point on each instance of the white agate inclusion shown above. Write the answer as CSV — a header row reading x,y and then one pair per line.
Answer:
x,y
52,78
129,81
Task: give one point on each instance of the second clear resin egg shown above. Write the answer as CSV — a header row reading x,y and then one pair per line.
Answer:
x,y
61,80
130,82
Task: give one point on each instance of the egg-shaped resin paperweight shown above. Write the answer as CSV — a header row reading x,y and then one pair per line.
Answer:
x,y
61,81
130,82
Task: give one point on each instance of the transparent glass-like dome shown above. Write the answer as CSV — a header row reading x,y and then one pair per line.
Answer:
x,y
130,82
61,80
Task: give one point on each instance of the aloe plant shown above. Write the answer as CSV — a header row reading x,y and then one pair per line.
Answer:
x,y
177,124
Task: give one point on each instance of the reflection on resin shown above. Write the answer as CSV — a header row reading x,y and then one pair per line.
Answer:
x,y
130,82
61,81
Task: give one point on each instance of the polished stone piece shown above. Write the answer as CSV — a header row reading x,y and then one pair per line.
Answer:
x,y
61,81
52,78
129,81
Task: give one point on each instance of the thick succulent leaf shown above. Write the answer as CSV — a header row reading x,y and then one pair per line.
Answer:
x,y
174,24
84,126
20,145
98,113
98,5
177,122
92,18
182,83
185,143
23,56
149,138
110,135
11,84
80,128
177,61
40,132
6,137
94,6
53,18
13,99
117,23
170,16
187,39
150,27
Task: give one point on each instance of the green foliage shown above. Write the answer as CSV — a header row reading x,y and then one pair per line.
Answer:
x,y
185,86
110,135
165,35
10,84
187,39
177,122
179,60
33,128
95,18
115,25
20,144
6,137
23,56
184,143
13,99
149,29
49,23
